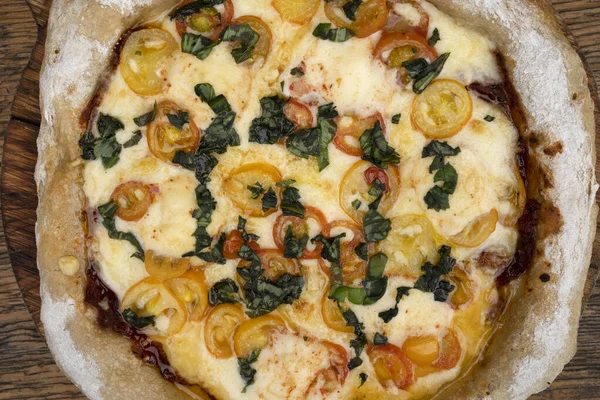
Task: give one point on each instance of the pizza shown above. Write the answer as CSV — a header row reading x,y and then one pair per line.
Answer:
x,y
293,199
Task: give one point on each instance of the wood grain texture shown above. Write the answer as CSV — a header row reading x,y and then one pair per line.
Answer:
x,y
28,371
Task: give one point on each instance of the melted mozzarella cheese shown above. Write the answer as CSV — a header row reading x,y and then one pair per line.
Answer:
x,y
347,75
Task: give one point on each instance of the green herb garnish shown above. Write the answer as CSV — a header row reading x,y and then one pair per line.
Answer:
x,y
246,36
134,320
423,73
293,246
489,118
431,281
145,119
376,149
379,339
387,315
350,9
435,37
246,370
256,190
178,120
135,139
107,212
325,32
224,291
269,200
272,124
396,118
198,45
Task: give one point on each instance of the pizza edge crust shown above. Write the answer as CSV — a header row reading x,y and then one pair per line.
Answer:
x,y
538,337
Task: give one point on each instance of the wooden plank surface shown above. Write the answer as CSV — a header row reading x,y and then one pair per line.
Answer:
x,y
27,371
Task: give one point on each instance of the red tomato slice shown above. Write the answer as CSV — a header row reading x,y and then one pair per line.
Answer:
x,y
133,199
392,367
216,22
299,228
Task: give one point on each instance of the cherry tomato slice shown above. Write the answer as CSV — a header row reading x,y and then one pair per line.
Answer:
x,y
219,328
300,227
392,367
236,186
255,333
477,231
464,291
296,11
165,268
233,242
450,351
349,130
354,186
370,17
150,297
408,46
332,316
298,114
263,46
328,380
133,198
275,264
399,23
207,22
144,58
190,289
353,267
164,139
443,108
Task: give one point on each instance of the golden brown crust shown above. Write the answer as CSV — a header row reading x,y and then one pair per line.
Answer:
x,y
539,333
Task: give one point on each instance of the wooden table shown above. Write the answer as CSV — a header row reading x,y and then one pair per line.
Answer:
x,y
27,370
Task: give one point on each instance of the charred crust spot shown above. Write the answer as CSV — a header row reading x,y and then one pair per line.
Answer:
x,y
544,278
553,149
533,140
551,220
574,96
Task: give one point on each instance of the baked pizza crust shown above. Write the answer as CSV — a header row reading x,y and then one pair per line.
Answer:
x,y
539,333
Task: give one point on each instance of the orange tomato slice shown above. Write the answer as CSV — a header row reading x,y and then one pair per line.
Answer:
x,y
133,198
190,289
371,16
300,227
392,367
165,268
236,186
164,139
255,333
219,328
349,130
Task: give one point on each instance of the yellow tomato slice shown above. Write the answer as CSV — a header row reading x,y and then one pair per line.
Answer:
x,y
477,231
220,325
190,289
255,333
450,351
442,109
409,244
422,350
236,186
165,268
144,58
263,46
464,291
151,297
275,264
133,198
332,316
356,184
296,11
164,139
392,367
371,16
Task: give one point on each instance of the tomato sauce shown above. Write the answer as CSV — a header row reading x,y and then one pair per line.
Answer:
x,y
105,301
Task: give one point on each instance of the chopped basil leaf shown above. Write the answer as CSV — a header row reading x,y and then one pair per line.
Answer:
x,y
448,176
107,212
437,199
285,183
206,93
246,370
363,378
290,204
439,150
292,245
247,38
220,134
192,8
137,322
264,295
375,226
396,118
202,163
360,341
376,265
135,139
356,203
178,120
376,149
431,281
224,291
489,118
105,146
272,124
377,188
296,72
331,247
379,339
362,251
354,363
350,9
325,32
242,228
203,215
256,190
315,141
435,37
387,315
269,200
415,67
428,74
198,45
145,119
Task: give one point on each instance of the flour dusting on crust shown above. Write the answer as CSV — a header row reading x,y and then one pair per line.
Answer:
x,y
125,6
56,316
